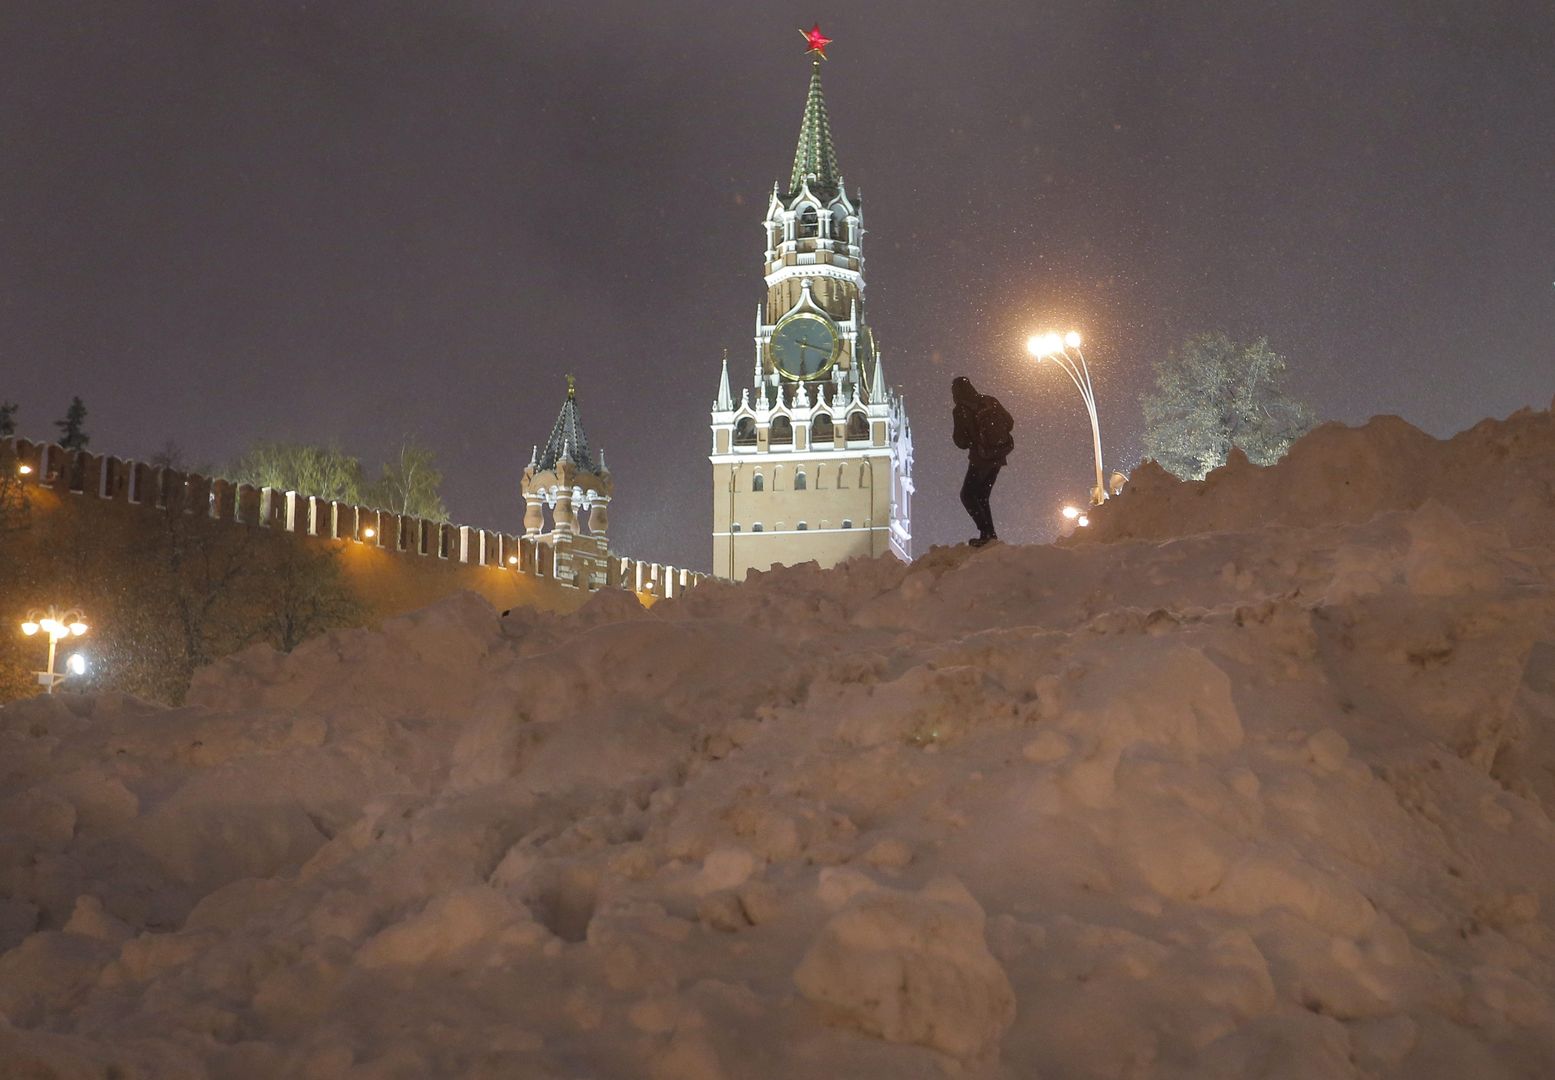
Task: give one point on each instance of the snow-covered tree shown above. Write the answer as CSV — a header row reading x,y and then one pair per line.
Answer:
x,y
1214,393
411,484
322,471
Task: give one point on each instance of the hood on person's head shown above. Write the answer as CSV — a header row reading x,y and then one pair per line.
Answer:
x,y
962,392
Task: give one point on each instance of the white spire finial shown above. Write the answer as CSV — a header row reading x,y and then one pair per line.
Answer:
x,y
877,390
725,400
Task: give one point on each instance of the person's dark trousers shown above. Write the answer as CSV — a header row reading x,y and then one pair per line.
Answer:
x,y
975,491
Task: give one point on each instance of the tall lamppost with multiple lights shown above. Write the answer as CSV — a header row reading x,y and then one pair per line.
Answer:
x,y
1064,350
57,626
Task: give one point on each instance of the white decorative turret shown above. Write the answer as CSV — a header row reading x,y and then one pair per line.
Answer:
x,y
877,390
725,400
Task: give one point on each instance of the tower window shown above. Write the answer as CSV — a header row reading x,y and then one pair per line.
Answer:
x,y
745,431
803,527
756,527
782,431
735,527
821,430
758,483
808,223
799,482
847,523
858,427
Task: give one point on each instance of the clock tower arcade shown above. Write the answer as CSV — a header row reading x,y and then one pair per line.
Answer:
x,y
812,460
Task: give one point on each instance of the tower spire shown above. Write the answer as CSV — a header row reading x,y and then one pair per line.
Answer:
x,y
567,441
877,389
815,154
725,400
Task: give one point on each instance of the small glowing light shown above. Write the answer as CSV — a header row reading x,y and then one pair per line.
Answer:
x,y
78,628
1082,521
29,628
368,534
1071,512
1034,346
76,664
50,627
512,560
1072,339
25,470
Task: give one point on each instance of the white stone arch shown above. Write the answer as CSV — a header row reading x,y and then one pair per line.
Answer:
x,y
780,429
807,221
822,430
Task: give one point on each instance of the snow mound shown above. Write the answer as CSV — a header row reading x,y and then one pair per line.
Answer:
x,y
1264,790
1502,470
912,968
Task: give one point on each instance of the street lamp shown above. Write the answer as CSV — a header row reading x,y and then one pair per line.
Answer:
x,y
58,627
1058,348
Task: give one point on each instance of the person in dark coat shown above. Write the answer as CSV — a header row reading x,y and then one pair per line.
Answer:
x,y
983,429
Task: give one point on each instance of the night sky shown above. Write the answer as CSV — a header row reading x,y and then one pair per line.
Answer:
x,y
352,221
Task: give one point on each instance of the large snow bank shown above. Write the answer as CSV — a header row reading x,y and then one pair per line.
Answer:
x,y
1271,800
1497,470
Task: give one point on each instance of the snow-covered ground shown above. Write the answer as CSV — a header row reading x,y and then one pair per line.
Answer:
x,y
1272,800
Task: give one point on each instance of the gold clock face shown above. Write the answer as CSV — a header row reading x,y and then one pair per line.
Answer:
x,y
804,347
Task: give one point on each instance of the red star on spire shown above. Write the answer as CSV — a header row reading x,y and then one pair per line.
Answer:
x,y
816,41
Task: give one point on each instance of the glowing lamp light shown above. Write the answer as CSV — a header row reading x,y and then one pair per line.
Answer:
x,y
1071,512
1082,521
1072,339
512,560
1044,345
25,470
57,625
368,534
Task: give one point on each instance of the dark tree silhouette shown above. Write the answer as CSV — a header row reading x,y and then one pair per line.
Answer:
x,y
72,434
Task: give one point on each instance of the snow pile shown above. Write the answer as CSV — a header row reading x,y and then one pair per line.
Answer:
x,y
1270,802
1499,469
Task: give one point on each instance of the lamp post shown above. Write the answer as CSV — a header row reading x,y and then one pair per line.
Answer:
x,y
1058,347
57,626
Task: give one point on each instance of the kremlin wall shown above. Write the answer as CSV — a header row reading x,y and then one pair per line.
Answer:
x,y
395,563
